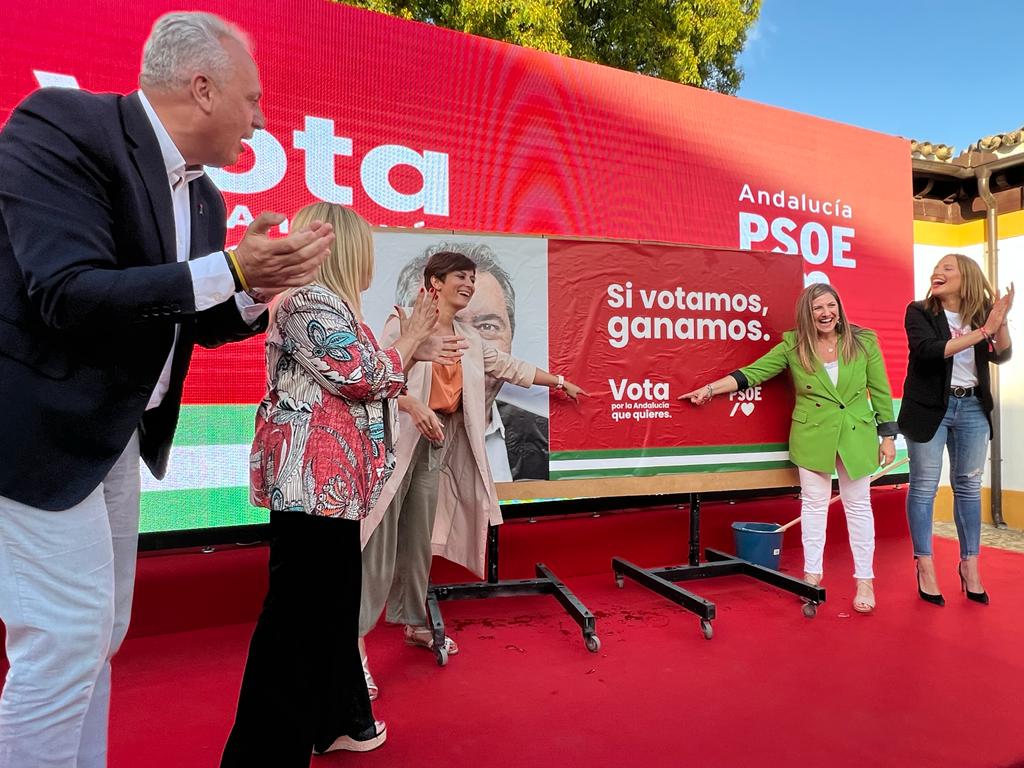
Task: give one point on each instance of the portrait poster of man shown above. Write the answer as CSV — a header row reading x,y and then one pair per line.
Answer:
x,y
509,310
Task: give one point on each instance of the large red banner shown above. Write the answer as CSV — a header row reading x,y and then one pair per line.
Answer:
x,y
421,127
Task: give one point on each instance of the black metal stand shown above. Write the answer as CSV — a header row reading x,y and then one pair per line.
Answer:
x,y
546,583
662,580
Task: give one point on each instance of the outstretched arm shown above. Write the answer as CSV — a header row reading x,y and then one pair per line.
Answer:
x,y
501,365
765,367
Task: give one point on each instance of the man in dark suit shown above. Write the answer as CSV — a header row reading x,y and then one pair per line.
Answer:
x,y
111,268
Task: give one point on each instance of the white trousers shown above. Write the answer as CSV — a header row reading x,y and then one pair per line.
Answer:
x,y
815,491
66,583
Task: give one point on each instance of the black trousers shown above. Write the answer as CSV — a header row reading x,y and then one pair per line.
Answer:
x,y
303,684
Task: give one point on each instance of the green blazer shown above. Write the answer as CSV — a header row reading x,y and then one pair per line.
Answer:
x,y
832,420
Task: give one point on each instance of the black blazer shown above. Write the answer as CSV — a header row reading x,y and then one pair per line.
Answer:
x,y
91,291
929,373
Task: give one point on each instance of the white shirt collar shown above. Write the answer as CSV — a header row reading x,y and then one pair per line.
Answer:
x,y
496,425
173,161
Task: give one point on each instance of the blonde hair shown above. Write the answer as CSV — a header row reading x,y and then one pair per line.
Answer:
x,y
976,296
806,333
349,268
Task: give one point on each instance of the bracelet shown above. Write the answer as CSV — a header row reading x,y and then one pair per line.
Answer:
x,y
988,338
560,384
711,392
236,272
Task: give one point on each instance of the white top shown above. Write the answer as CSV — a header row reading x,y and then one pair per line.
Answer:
x,y
212,283
965,371
832,369
497,452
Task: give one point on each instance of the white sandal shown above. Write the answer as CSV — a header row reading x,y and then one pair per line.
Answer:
x,y
371,686
864,601
424,638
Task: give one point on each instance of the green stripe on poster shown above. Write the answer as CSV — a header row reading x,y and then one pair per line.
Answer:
x,y
215,425
650,471
200,508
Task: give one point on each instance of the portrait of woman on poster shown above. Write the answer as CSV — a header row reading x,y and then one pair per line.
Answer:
x,y
842,422
952,335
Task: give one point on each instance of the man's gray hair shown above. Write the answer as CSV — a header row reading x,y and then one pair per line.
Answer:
x,y
410,279
182,44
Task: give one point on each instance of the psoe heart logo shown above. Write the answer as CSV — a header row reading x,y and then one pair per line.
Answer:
x,y
745,401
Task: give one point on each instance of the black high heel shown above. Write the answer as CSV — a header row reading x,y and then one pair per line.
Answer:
x,y
938,600
978,597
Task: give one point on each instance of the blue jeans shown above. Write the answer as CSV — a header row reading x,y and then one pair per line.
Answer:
x,y
964,431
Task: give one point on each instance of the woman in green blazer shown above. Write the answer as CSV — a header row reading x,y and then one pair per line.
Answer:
x,y
843,404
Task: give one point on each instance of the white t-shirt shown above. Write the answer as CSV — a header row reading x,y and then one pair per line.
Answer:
x,y
832,369
965,372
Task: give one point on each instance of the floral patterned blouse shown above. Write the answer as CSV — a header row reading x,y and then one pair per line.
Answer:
x,y
320,443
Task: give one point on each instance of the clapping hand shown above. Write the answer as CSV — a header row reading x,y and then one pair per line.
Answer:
x,y
421,326
446,350
1007,299
419,323
1000,308
270,265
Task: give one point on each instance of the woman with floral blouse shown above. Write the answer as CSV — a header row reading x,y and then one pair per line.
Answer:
x,y
321,455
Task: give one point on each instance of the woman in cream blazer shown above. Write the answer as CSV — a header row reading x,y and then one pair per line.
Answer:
x,y
440,498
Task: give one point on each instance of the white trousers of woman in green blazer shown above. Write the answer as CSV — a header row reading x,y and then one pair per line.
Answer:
x,y
835,427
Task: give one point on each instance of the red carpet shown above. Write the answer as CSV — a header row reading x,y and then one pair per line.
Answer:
x,y
910,685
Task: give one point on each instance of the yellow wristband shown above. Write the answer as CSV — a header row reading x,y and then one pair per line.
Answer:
x,y
238,270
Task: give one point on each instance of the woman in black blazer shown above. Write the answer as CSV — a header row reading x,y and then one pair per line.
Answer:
x,y
953,335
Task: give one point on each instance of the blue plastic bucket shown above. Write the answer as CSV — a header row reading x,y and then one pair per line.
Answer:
x,y
758,543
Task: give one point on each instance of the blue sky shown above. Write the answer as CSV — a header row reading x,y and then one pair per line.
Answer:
x,y
940,71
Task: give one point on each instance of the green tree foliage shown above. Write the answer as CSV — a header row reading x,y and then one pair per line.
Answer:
x,y
695,42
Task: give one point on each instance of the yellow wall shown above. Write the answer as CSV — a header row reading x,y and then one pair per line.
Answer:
x,y
973,233
931,242
1013,506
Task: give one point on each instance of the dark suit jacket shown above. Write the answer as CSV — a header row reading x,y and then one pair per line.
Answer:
x,y
526,440
930,373
91,291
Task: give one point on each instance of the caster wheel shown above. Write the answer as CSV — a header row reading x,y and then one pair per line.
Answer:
x,y
593,643
707,630
810,610
442,657
620,581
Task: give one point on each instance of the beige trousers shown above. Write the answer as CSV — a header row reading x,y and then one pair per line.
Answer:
x,y
396,560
